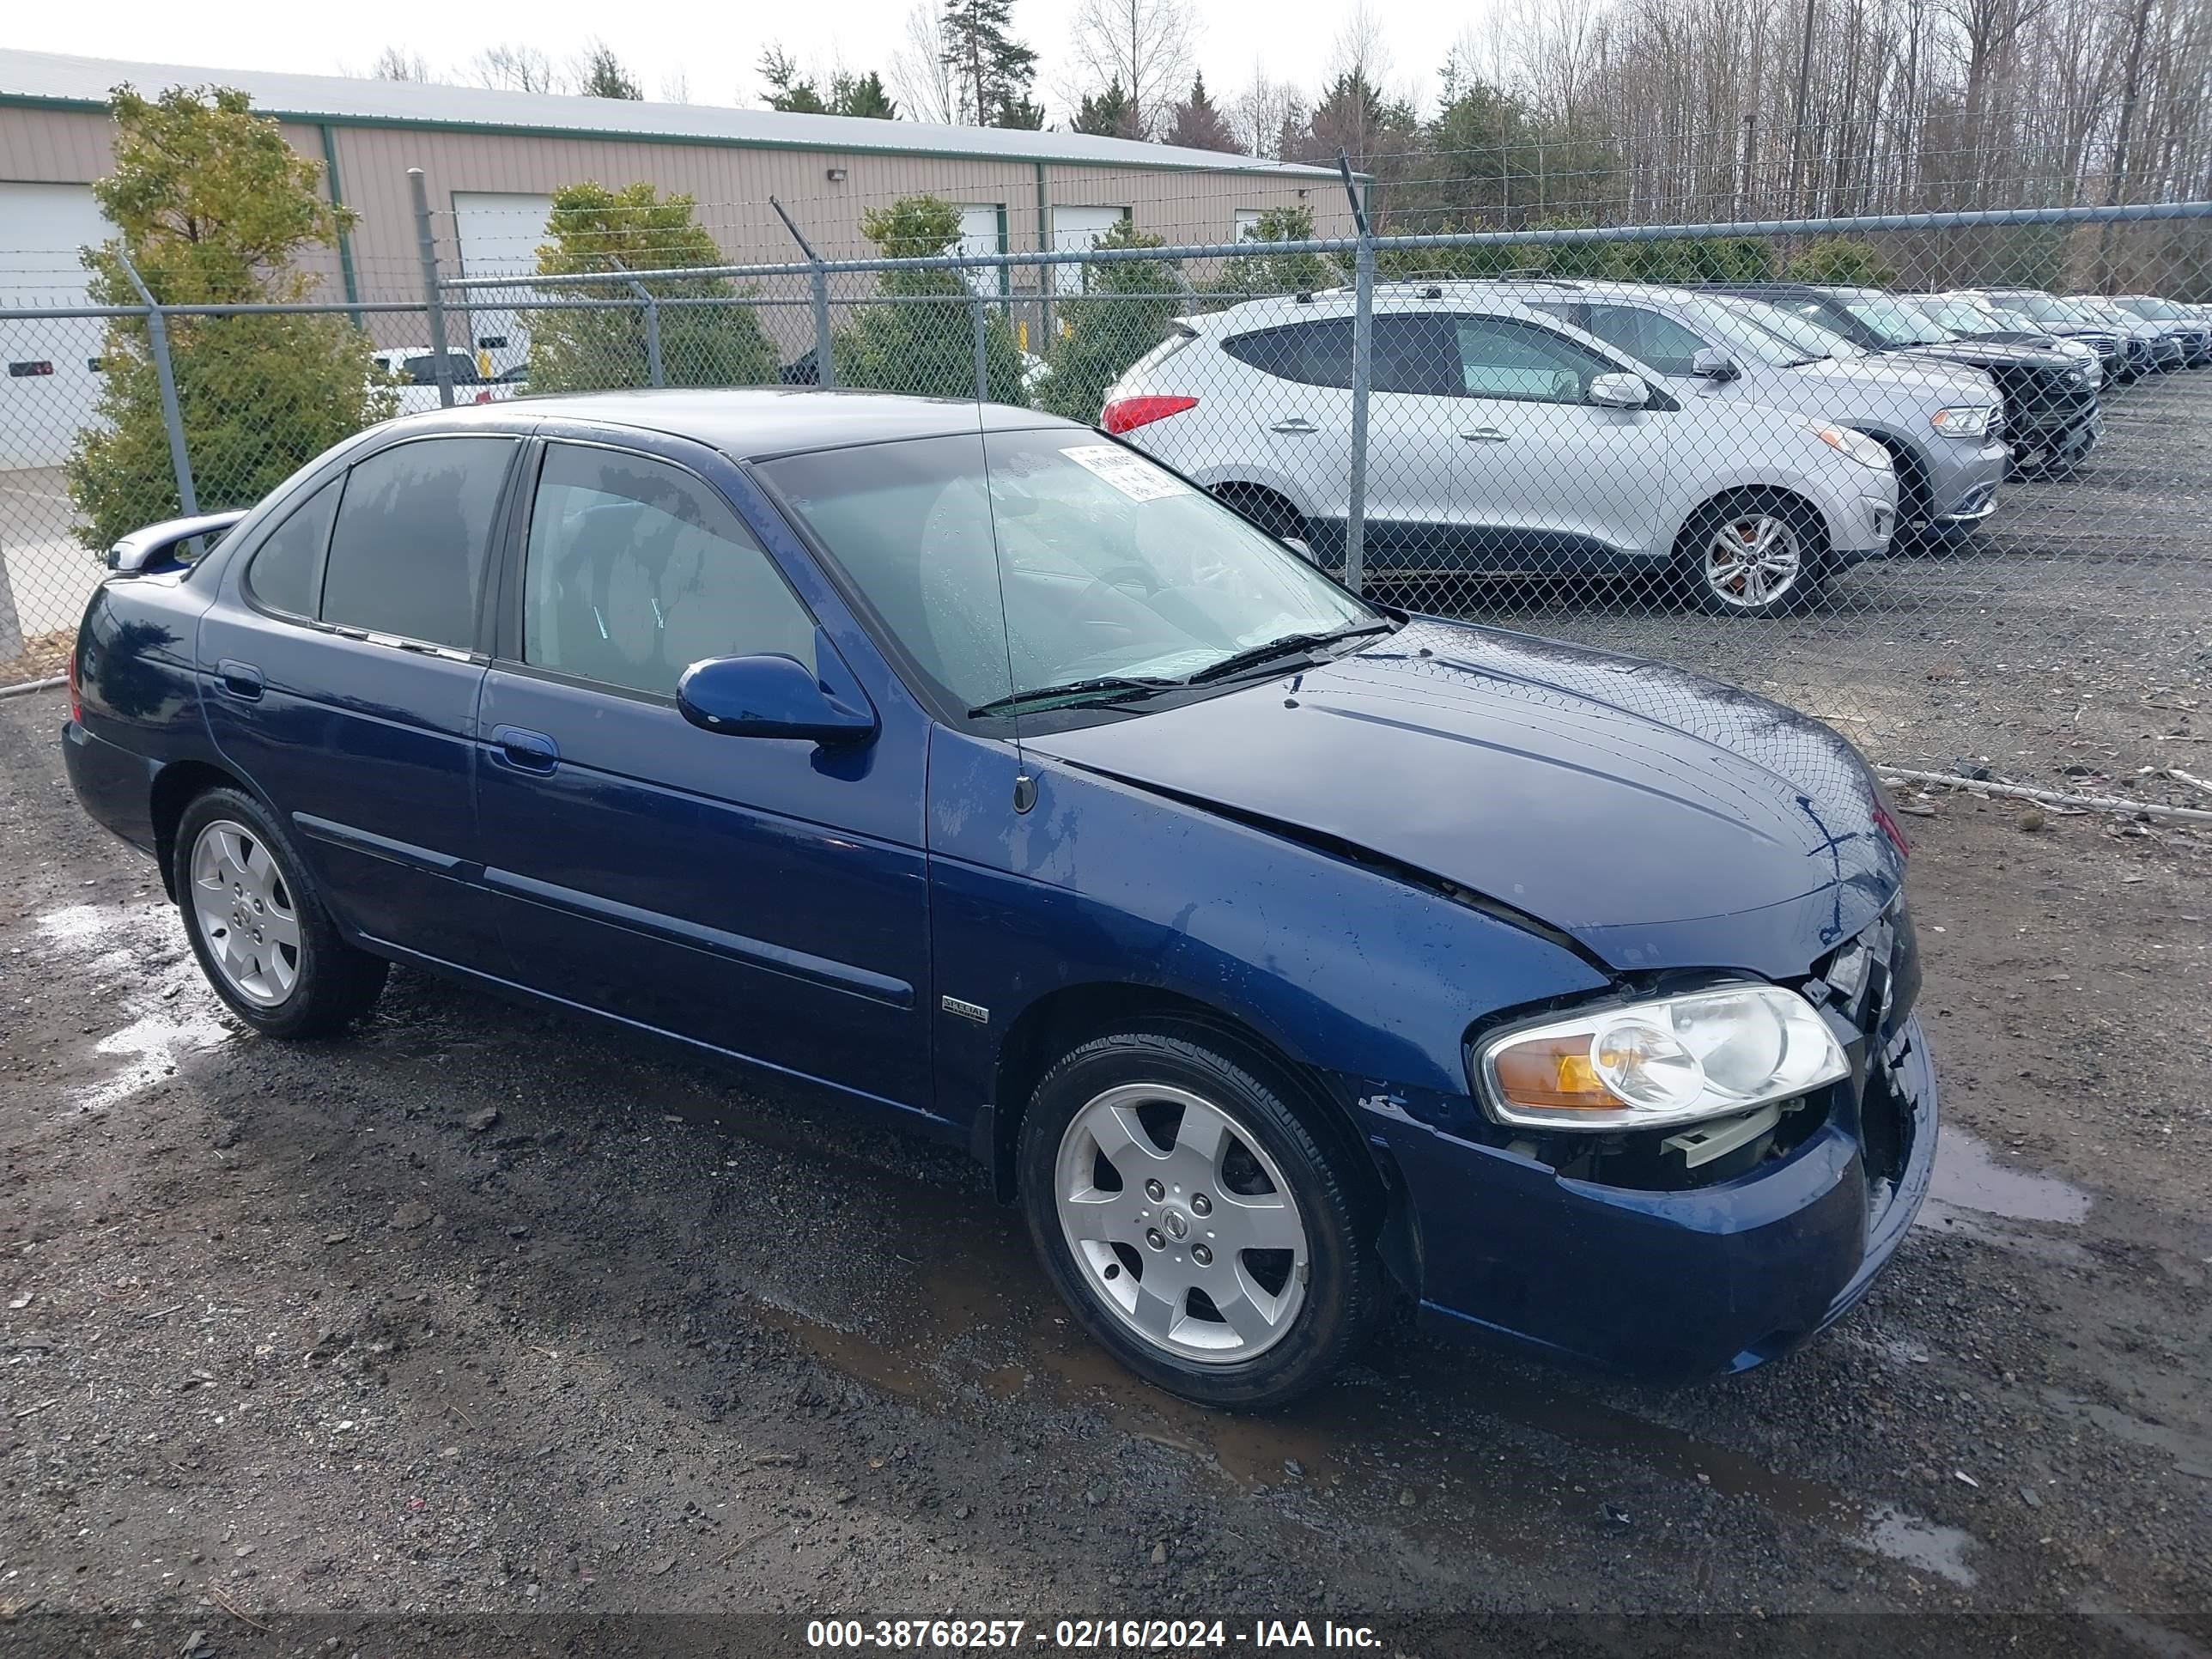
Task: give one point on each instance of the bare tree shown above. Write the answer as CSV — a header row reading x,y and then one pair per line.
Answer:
x,y
925,81
1259,113
514,67
400,63
676,88
1145,46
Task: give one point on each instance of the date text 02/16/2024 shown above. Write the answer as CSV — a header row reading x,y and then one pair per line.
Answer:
x,y
1087,1635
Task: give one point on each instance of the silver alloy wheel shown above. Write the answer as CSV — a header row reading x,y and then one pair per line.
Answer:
x,y
244,912
1752,559
1169,1242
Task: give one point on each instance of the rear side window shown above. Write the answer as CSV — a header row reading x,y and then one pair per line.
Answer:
x,y
413,539
1313,354
287,572
636,570
422,370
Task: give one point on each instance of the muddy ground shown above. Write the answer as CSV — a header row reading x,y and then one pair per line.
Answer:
x,y
479,1312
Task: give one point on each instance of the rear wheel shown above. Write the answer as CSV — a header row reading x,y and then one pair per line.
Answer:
x,y
1757,554
1198,1228
261,934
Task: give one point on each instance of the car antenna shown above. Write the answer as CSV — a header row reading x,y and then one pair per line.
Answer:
x,y
1025,789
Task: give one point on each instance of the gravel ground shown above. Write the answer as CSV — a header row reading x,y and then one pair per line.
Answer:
x,y
480,1313
482,1331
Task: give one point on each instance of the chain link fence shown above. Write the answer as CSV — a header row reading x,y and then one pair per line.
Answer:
x,y
1937,478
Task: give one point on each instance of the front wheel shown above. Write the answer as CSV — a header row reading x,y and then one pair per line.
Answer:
x,y
1195,1224
261,934
1757,554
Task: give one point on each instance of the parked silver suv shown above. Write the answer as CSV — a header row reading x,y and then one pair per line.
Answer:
x,y
1501,440
1940,424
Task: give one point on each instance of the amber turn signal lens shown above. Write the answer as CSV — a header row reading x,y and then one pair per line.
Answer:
x,y
1551,1074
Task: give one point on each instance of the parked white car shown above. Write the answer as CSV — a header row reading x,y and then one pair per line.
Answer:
x,y
1503,441
416,368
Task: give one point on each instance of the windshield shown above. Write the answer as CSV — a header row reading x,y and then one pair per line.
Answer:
x,y
1808,339
2088,308
1960,316
1895,325
1113,569
2157,310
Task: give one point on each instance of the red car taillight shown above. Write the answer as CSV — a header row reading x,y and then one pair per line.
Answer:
x,y
77,702
1127,414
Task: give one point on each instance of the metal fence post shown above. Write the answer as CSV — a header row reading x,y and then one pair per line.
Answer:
x,y
426,243
173,420
825,365
1363,374
652,374
978,316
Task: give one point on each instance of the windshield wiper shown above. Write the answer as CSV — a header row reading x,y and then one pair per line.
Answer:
x,y
1104,687
1288,645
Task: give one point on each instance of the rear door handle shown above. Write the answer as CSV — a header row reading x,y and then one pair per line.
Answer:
x,y
241,680
1485,434
524,750
1296,424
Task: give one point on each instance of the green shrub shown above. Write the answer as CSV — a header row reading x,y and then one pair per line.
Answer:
x,y
1123,311
1844,261
213,207
920,338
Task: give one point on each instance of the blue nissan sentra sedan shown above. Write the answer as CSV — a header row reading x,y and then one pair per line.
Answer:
x,y
1277,952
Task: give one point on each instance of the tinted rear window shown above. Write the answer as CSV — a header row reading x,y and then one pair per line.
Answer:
x,y
287,572
413,539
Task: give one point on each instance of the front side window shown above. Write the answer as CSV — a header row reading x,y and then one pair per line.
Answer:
x,y
413,539
1028,560
1501,357
1658,341
635,570
287,572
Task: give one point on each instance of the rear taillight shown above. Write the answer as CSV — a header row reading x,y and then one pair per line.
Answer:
x,y
1127,414
484,397
77,702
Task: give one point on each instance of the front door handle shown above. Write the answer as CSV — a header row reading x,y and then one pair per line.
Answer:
x,y
1296,424
241,680
1485,434
524,750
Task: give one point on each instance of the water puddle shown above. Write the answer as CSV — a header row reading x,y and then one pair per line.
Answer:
x,y
1927,1545
142,946
1970,1176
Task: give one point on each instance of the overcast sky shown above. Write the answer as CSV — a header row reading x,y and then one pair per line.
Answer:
x,y
713,47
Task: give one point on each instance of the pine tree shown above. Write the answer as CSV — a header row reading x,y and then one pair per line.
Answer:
x,y
1196,123
604,76
1106,114
994,71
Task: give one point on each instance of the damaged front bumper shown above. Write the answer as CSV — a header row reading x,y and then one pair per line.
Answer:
x,y
1671,1285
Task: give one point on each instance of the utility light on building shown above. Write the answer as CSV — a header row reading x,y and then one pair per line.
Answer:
x,y
836,175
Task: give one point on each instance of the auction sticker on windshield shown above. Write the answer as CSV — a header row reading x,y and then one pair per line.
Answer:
x,y
1132,475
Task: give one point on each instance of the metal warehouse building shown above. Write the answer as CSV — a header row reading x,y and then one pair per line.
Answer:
x,y
491,158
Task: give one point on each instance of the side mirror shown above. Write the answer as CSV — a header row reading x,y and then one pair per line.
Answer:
x,y
1712,364
1619,391
769,696
157,544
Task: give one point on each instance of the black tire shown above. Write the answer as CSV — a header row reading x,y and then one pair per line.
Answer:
x,y
334,983
1803,522
1342,1287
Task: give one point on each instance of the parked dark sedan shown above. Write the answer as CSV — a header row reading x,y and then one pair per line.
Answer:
x,y
1274,950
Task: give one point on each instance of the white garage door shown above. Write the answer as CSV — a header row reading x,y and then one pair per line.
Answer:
x,y
980,233
1077,227
500,233
51,385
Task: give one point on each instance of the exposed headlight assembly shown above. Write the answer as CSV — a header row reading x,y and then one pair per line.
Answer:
x,y
1670,1060
1965,421
1853,445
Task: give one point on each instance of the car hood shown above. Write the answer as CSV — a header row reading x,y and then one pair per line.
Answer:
x,y
1660,820
1888,373
1989,354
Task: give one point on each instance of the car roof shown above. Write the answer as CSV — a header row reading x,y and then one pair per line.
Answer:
x,y
1465,294
750,422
